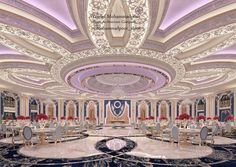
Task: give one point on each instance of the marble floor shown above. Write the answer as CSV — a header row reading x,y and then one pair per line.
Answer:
x,y
115,132
127,146
157,149
73,149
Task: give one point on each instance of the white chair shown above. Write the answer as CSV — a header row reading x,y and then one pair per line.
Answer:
x,y
133,125
170,124
27,134
143,128
175,135
157,130
57,135
202,136
215,130
227,130
51,125
5,131
66,130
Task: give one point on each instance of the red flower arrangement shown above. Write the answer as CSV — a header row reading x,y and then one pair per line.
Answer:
x,y
63,118
229,118
216,118
151,118
184,116
70,118
140,118
163,118
177,118
201,117
10,117
90,119
20,117
27,118
42,117
208,118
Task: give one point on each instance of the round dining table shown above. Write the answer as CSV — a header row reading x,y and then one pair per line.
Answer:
x,y
41,132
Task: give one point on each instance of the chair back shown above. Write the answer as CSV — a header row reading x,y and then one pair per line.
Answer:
x,y
66,127
27,133
51,125
215,129
204,133
4,128
81,125
228,128
34,123
58,133
158,126
175,133
170,125
37,125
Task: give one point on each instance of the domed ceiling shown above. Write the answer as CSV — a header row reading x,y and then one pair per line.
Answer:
x,y
129,48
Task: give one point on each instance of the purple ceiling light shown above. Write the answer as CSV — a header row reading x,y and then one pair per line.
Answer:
x,y
103,78
229,50
179,8
6,50
56,8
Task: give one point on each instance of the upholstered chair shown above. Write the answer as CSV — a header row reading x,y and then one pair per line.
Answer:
x,y
27,135
57,135
175,135
215,130
6,131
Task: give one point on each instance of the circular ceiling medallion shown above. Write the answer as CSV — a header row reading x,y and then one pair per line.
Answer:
x,y
118,79
130,78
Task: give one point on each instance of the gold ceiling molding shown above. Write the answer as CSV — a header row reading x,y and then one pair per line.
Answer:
x,y
216,77
37,20
224,30
12,60
124,52
75,14
135,13
196,74
39,40
197,21
160,11
214,61
5,76
34,80
10,44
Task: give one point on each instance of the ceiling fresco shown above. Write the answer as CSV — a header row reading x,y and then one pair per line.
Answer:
x,y
93,48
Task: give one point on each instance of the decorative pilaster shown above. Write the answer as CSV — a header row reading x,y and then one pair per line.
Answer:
x,y
234,106
173,109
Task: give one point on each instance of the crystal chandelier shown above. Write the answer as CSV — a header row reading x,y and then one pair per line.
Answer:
x,y
117,92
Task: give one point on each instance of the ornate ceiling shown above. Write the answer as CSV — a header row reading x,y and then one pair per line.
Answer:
x,y
160,49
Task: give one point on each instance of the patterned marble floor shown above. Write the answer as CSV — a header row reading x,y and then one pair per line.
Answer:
x,y
128,148
115,132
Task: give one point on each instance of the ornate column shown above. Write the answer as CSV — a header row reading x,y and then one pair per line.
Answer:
x,y
101,114
210,105
173,109
81,104
234,106
24,107
60,108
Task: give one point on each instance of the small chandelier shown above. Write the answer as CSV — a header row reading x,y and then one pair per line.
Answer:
x,y
117,92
